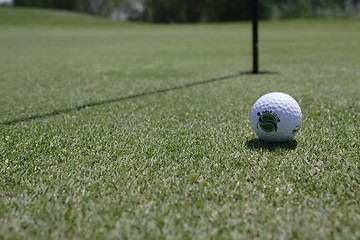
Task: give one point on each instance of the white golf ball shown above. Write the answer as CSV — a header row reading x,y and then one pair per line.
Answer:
x,y
276,117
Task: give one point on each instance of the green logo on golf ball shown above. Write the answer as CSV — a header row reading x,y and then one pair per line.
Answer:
x,y
268,122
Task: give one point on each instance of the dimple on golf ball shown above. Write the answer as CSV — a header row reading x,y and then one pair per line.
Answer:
x,y
276,117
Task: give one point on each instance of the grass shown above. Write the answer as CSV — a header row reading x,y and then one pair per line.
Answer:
x,y
119,130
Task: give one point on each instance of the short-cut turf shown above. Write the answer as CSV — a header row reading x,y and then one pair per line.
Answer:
x,y
133,131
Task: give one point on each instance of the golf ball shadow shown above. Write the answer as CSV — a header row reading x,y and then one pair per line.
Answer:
x,y
258,144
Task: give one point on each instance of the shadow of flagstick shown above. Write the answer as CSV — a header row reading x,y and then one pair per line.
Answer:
x,y
113,100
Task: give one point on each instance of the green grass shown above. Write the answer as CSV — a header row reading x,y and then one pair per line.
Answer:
x,y
104,134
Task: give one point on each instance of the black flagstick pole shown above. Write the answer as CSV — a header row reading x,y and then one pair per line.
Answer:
x,y
255,18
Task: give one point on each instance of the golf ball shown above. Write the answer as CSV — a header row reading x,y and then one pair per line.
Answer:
x,y
276,117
